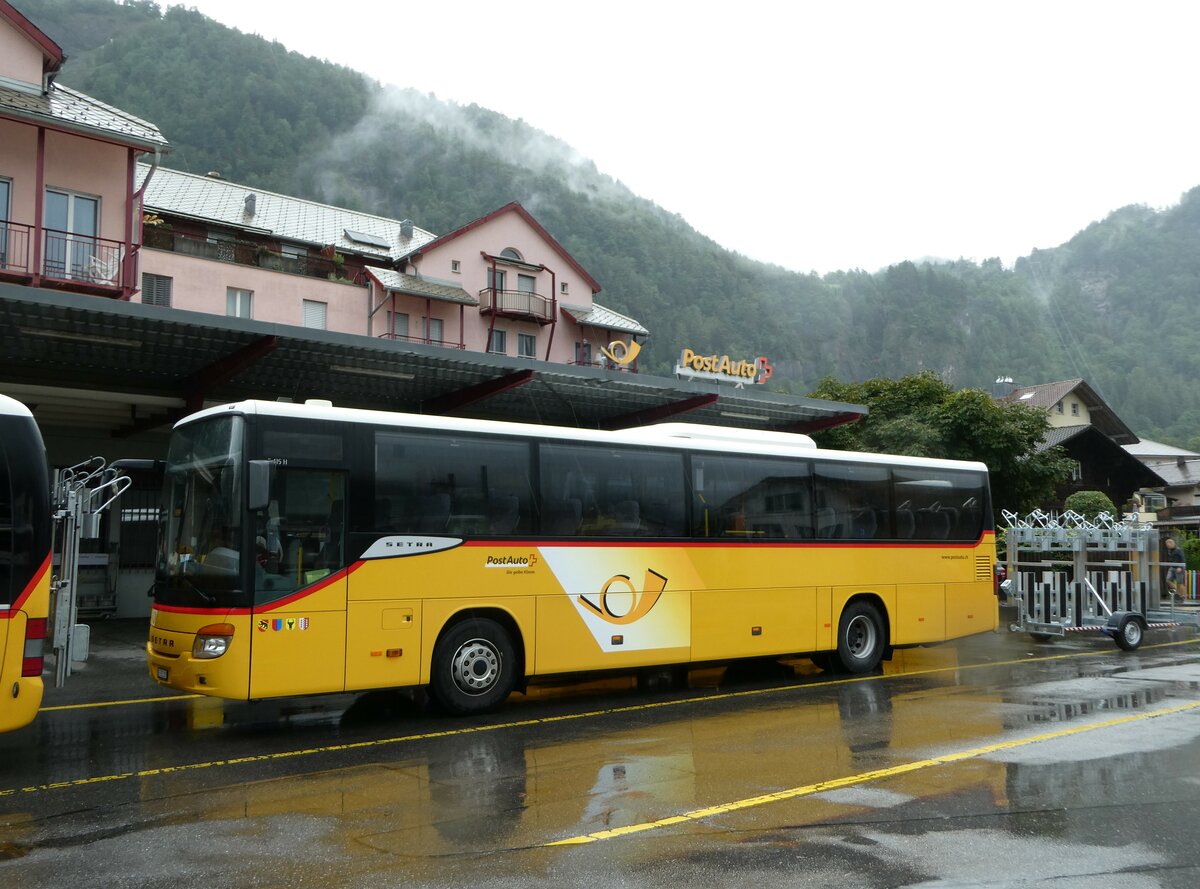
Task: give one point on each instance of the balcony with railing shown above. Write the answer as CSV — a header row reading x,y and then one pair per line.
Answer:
x,y
520,304
68,261
247,253
404,338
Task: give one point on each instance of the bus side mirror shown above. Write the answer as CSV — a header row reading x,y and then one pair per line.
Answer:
x,y
260,484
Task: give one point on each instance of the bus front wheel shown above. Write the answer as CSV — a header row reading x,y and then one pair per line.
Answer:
x,y
473,667
860,638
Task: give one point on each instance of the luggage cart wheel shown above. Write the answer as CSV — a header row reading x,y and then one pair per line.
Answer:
x,y
1127,629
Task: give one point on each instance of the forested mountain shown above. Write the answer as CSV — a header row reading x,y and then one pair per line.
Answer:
x,y
1114,305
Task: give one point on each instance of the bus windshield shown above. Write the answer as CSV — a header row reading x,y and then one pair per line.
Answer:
x,y
199,563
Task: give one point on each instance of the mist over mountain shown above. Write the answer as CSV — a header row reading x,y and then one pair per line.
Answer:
x,y
1115,305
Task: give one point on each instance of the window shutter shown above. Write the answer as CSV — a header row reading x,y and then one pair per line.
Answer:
x,y
156,290
314,314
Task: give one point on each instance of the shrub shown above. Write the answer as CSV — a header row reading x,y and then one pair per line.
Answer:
x,y
1090,504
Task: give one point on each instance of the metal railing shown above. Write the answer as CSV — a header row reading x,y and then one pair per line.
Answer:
x,y
524,303
245,253
446,344
66,256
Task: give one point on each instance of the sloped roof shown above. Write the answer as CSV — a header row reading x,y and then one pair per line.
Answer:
x,y
282,216
66,109
415,285
599,316
52,54
1060,435
1046,395
1176,473
512,207
1090,444
1146,448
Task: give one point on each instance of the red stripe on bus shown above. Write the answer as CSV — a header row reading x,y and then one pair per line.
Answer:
x,y
308,591
626,542
271,606
28,591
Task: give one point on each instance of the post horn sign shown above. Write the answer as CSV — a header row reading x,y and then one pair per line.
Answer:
x,y
723,368
620,352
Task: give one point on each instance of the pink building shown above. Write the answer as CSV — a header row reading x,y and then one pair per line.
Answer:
x,y
501,284
70,214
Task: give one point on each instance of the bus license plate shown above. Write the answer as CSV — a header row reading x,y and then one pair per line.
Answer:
x,y
162,674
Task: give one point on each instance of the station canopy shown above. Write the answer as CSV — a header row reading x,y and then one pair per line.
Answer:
x,y
122,368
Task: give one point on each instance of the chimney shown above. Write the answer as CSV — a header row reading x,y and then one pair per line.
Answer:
x,y
213,174
406,229
248,203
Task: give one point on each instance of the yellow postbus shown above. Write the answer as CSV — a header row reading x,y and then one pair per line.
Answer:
x,y
25,540
309,549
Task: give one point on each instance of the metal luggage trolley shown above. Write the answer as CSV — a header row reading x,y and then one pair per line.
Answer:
x,y
1068,574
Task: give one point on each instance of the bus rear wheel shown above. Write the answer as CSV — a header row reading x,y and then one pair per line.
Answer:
x,y
860,638
473,667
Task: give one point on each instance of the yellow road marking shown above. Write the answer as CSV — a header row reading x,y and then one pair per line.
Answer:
x,y
157,700
523,723
863,778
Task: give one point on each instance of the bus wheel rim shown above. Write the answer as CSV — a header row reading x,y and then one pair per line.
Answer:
x,y
476,666
860,636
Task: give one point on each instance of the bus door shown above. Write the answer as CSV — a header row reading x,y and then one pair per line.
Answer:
x,y
299,620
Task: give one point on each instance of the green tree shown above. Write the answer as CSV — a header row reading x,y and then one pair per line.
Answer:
x,y
921,415
1090,504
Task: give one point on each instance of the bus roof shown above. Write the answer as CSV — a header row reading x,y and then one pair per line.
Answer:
x,y
13,408
688,436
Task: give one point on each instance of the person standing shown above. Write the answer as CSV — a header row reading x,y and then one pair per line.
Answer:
x,y
1176,567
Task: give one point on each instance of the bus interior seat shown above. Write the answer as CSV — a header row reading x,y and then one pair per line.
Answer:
x,y
331,551
504,514
906,523
828,526
626,515
863,524
562,517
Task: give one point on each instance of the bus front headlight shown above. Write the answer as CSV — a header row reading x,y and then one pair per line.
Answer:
x,y
212,641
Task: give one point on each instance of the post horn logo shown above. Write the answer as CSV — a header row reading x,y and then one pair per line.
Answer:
x,y
621,352
643,600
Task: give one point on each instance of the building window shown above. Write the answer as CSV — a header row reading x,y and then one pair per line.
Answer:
x,y
562,288
156,290
433,329
72,225
1076,471
527,345
527,283
512,253
239,303
495,279
583,353
499,342
1074,408
455,266
1058,407
5,198
295,258
314,314
397,324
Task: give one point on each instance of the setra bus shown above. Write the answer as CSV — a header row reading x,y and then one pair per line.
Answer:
x,y
25,545
309,549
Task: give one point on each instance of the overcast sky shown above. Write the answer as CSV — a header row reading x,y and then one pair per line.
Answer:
x,y
814,135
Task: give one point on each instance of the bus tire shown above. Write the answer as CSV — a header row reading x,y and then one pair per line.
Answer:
x,y
861,639
474,667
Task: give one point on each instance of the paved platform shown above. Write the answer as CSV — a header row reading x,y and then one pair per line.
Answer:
x,y
116,669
